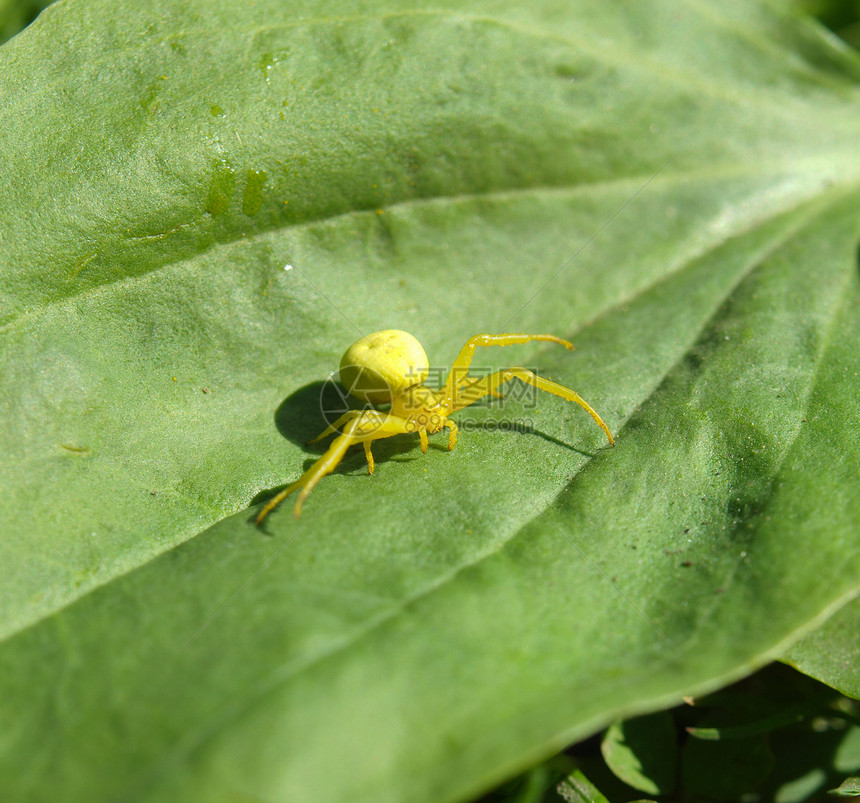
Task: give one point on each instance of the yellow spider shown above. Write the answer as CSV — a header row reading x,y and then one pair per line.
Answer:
x,y
390,367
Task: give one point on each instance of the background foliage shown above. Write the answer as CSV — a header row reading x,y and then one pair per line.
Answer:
x,y
216,200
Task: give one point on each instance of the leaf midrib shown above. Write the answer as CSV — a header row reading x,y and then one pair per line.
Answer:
x,y
811,166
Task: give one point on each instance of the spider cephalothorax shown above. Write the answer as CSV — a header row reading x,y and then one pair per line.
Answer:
x,y
390,367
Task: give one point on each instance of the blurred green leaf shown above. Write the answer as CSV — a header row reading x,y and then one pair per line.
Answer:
x,y
577,788
850,787
841,16
643,752
15,15
212,201
756,728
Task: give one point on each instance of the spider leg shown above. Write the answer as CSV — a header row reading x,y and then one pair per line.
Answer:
x,y
368,426
460,367
468,380
335,427
478,390
452,438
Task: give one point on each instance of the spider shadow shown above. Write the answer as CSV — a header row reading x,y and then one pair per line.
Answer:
x,y
306,413
519,428
299,417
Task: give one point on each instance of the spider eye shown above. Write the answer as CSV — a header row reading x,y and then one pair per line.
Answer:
x,y
383,364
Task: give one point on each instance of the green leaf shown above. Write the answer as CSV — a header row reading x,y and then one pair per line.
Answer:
x,y
850,787
210,202
832,652
577,788
841,16
643,752
16,15
759,727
